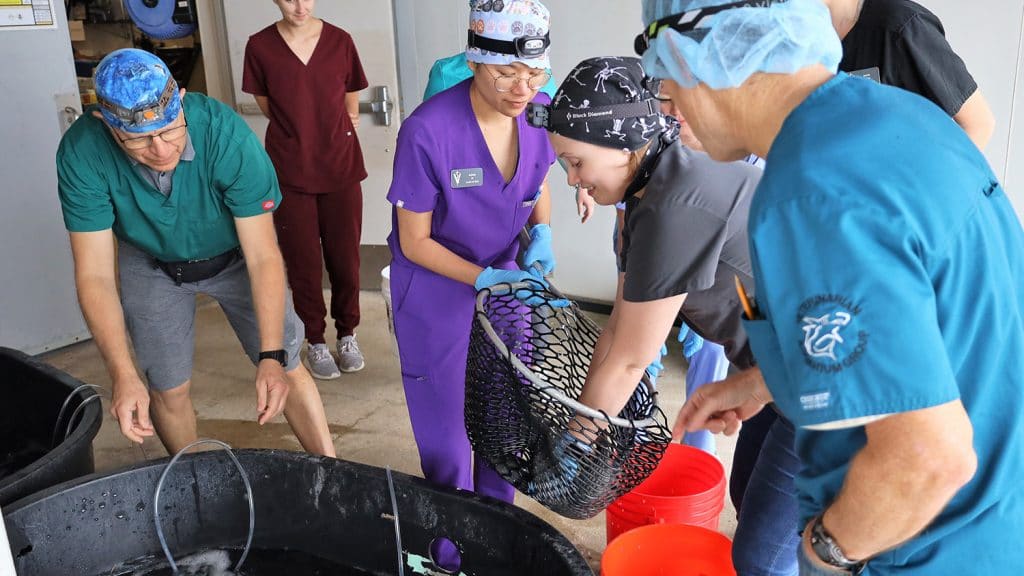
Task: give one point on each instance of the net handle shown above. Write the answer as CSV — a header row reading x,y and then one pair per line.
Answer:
x,y
539,384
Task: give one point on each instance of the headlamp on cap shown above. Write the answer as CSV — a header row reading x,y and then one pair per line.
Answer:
x,y
145,114
548,117
692,22
525,47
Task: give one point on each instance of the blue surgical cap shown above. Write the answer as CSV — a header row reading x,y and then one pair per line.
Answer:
x,y
728,47
136,91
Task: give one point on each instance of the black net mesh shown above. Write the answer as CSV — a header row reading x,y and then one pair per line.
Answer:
x,y
520,409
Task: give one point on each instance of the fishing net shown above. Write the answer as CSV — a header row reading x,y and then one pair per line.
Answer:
x,y
528,359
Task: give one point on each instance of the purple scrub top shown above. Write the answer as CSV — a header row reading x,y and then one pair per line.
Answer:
x,y
442,164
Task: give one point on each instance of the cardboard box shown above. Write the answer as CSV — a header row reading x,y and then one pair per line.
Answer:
x,y
77,28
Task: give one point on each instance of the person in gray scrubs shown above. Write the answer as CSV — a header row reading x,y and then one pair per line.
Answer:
x,y
684,246
684,240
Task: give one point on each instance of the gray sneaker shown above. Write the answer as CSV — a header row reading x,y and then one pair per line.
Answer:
x,y
321,363
349,357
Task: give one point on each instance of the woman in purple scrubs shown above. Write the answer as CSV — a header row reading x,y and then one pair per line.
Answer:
x,y
468,168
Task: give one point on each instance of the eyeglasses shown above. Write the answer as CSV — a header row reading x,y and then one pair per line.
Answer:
x,y
691,22
653,85
505,83
170,136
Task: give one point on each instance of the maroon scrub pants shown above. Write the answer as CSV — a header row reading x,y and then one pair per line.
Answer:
x,y
317,229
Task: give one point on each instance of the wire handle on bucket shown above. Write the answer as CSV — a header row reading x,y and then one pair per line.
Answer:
x,y
248,494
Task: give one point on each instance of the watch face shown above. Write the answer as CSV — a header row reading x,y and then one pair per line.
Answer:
x,y
836,554
827,550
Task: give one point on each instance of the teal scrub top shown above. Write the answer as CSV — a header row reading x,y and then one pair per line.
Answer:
x,y
229,177
889,267
448,72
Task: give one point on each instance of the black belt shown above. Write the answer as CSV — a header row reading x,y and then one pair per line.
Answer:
x,y
197,270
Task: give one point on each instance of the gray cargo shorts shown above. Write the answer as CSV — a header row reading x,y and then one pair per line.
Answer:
x,y
161,316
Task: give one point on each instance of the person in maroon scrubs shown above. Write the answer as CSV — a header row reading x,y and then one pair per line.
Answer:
x,y
306,76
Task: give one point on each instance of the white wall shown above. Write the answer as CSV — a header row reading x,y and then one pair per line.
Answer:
x,y
1014,180
987,35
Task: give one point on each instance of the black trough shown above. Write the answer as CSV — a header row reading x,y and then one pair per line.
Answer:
x,y
30,459
320,508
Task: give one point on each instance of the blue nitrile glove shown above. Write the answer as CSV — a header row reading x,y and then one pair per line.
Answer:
x,y
691,341
539,250
567,451
656,367
491,277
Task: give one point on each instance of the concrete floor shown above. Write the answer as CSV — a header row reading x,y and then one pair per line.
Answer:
x,y
366,411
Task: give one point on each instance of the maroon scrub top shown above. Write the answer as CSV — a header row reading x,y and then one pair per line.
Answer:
x,y
310,138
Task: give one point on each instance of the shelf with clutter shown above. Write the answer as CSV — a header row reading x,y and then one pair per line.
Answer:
x,y
167,28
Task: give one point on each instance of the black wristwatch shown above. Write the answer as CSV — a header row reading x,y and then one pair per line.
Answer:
x,y
279,355
828,550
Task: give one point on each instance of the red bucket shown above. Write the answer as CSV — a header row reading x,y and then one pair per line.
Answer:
x,y
669,550
687,488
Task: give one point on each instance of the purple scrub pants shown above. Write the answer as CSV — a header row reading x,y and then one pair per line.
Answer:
x,y
433,316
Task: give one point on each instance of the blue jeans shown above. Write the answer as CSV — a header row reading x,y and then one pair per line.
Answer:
x,y
767,535
748,448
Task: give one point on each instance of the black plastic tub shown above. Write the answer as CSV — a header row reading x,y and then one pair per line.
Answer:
x,y
33,394
317,508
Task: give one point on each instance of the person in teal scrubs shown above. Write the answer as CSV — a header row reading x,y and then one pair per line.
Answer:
x,y
886,257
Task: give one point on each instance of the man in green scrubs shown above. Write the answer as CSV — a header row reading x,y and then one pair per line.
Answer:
x,y
186,192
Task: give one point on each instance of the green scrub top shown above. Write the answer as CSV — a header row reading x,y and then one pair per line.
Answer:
x,y
229,177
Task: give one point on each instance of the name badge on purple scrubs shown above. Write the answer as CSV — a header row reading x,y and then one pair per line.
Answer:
x,y
468,178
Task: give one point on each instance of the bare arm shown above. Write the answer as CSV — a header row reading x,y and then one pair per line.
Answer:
x,y
639,332
266,275
266,272
976,118
912,465
420,248
96,281
97,295
542,209
352,106
604,340
264,103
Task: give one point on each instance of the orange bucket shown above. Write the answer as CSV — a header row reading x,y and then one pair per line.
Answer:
x,y
687,488
669,550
